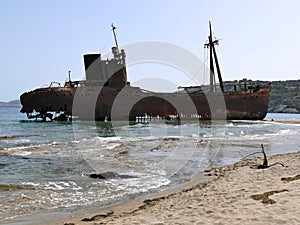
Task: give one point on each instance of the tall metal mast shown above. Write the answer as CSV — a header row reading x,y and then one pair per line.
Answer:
x,y
211,61
213,55
115,36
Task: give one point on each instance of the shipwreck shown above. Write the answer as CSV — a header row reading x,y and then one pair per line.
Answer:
x,y
106,94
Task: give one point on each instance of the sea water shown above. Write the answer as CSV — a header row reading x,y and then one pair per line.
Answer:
x,y
47,165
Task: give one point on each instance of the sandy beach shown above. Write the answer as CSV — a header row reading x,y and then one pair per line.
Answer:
x,y
233,194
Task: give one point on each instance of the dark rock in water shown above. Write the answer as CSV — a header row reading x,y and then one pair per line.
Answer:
x,y
97,176
109,175
61,117
7,137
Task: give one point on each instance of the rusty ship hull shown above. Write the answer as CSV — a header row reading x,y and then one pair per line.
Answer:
x,y
99,104
106,94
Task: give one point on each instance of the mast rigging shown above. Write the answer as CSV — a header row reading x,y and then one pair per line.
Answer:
x,y
213,58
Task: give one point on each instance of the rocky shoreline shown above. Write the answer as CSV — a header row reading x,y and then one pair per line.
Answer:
x,y
283,109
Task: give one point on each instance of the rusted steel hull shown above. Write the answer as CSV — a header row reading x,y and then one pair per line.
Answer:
x,y
252,106
106,94
48,100
89,103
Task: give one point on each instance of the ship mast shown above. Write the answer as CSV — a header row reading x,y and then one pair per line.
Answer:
x,y
213,57
115,36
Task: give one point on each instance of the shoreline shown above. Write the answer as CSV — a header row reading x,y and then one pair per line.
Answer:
x,y
286,122
78,214
231,194
213,201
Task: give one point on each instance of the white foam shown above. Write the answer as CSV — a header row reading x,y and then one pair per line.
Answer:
x,y
31,184
25,153
61,185
286,131
112,146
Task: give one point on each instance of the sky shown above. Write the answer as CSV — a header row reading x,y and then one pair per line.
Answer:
x,y
41,41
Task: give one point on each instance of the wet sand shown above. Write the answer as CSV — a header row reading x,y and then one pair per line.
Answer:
x,y
234,194
287,122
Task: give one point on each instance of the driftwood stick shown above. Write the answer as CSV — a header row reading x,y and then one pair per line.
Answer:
x,y
277,163
251,155
265,164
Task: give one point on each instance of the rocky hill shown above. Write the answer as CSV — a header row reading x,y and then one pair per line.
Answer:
x,y
285,97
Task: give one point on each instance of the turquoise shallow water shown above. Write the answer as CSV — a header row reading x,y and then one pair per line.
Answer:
x,y
46,165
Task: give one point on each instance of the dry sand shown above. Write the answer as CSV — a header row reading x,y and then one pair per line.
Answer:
x,y
234,194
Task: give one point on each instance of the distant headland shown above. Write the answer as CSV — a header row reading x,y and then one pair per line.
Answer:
x,y
14,103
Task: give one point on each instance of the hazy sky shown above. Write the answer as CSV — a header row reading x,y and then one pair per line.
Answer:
x,y
41,40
